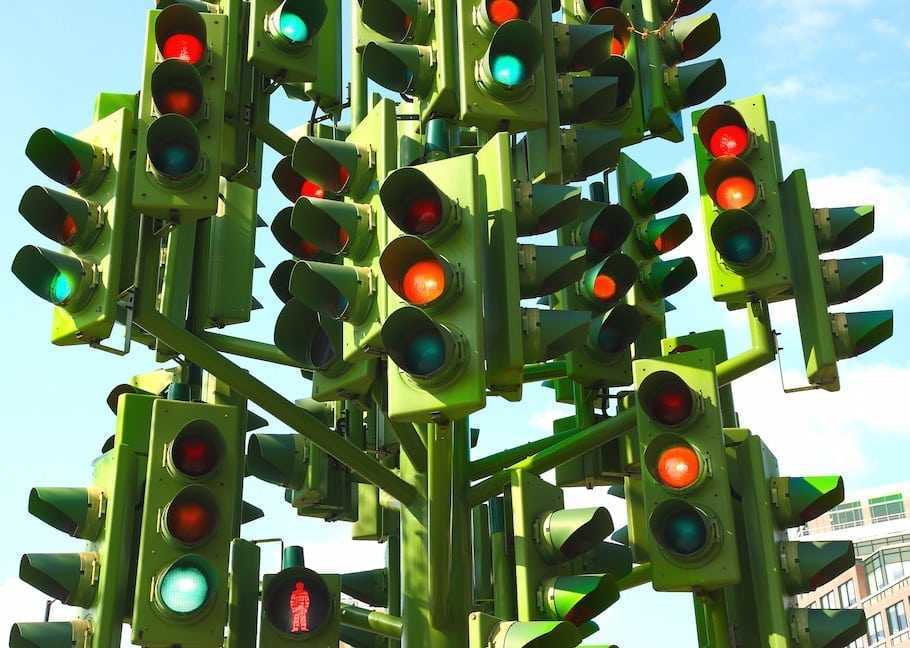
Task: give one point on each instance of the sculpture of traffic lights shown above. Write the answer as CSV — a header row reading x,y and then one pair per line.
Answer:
x,y
666,86
685,488
191,513
549,541
432,277
409,47
782,568
739,174
820,283
502,82
104,514
181,114
485,631
644,196
517,335
93,223
352,231
299,606
286,37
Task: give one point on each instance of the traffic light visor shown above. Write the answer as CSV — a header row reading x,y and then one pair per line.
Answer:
x,y
615,331
60,279
723,131
415,204
511,60
180,33
63,218
296,22
64,159
667,399
604,234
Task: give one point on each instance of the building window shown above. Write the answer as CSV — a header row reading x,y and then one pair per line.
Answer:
x,y
875,629
875,573
844,516
859,643
847,593
897,617
829,601
897,563
813,605
887,507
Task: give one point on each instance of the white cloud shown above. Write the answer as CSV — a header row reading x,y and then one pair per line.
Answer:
x,y
800,22
883,27
807,88
818,431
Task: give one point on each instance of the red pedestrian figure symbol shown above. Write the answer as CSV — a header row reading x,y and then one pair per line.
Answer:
x,y
300,607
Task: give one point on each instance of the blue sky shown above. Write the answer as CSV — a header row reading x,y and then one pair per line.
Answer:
x,y
838,86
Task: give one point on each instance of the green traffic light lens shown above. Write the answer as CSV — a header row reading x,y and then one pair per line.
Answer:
x,y
685,532
61,288
426,353
741,246
738,238
184,589
293,27
509,70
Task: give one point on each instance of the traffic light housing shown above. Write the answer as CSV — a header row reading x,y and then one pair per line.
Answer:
x,y
739,173
99,579
666,86
181,115
409,48
485,631
818,284
548,541
502,81
781,567
432,277
299,606
93,223
685,487
644,196
286,37
190,516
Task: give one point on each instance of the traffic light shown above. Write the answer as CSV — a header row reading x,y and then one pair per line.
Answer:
x,y
181,115
549,541
93,223
351,230
408,47
299,606
781,567
432,278
286,37
485,631
191,514
100,578
644,196
739,171
502,82
517,335
817,284
667,87
685,488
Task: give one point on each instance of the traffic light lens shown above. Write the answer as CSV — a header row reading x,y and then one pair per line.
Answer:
x,y
604,287
502,11
424,215
610,340
308,250
174,159
343,238
684,532
61,288
189,520
68,230
509,70
678,467
424,282
293,27
426,353
617,48
735,193
184,47
184,589
298,602
322,353
182,102
194,453
742,246
666,398
673,406
729,140
310,189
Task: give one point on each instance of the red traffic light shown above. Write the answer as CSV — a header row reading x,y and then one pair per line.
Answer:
x,y
604,287
424,282
185,47
502,11
723,131
195,451
297,601
678,466
732,139
310,189
190,517
180,33
423,216
666,398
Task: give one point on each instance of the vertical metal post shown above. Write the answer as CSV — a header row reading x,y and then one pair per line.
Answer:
x,y
358,80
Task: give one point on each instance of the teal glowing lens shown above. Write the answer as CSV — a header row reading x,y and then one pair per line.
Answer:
x,y
685,532
184,589
293,27
426,353
175,159
509,70
61,288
